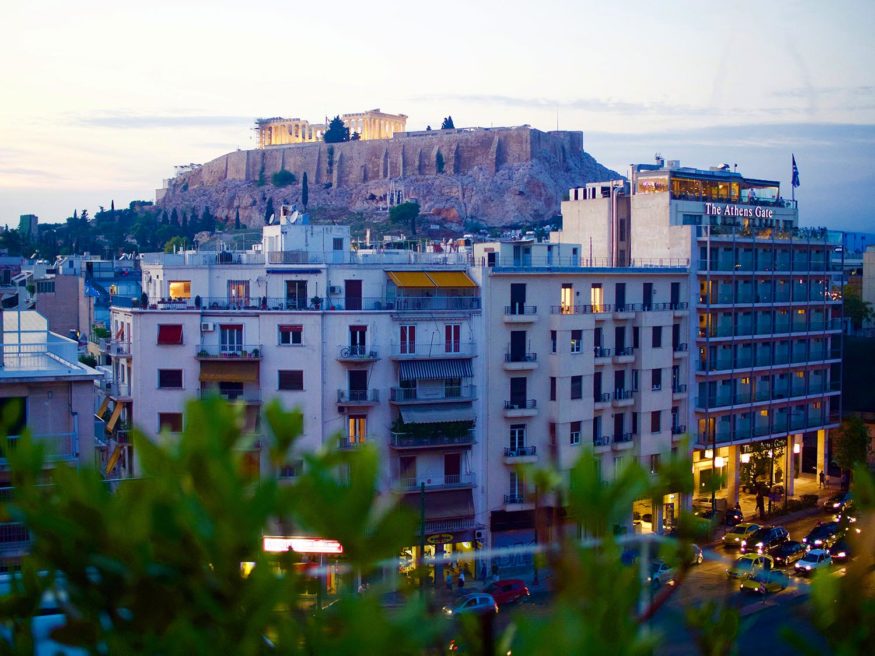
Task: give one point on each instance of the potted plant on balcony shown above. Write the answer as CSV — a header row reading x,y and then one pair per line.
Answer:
x,y
316,302
255,353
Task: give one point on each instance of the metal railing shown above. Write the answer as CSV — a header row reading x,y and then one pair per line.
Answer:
x,y
523,404
520,451
601,440
625,351
357,352
358,396
436,303
603,397
601,352
453,348
622,394
410,440
623,438
519,310
246,396
452,392
445,481
520,357
230,351
59,447
679,429
514,498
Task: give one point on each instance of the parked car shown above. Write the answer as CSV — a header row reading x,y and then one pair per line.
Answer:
x,y
788,553
812,561
765,539
729,517
661,573
824,535
837,502
840,551
739,532
477,603
750,564
507,591
766,581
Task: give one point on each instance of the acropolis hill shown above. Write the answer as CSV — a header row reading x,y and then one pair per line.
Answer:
x,y
496,175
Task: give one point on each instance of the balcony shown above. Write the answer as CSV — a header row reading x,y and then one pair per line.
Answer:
x,y
678,391
440,349
625,355
521,408
358,396
115,348
520,313
601,400
445,482
431,441
355,353
352,443
625,311
602,443
680,350
118,390
247,396
229,352
581,309
678,430
59,447
602,355
401,395
623,397
520,361
623,441
520,455
435,304
517,501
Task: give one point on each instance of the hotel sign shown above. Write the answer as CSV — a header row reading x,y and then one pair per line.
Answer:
x,y
738,211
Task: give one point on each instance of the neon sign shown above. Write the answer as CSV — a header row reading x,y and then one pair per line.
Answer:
x,y
278,544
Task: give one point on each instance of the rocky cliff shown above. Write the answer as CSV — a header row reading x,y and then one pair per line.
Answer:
x,y
496,175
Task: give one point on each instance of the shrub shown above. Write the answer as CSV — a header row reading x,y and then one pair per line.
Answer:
x,y
283,178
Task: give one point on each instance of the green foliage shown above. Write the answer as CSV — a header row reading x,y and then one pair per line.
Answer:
x,y
268,210
855,308
237,219
305,190
100,332
336,132
88,359
262,179
283,178
329,163
447,123
174,243
405,213
439,163
850,443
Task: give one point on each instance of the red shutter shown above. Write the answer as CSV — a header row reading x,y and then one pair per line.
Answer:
x,y
170,333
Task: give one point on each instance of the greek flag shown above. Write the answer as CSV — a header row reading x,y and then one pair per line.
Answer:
x,y
795,181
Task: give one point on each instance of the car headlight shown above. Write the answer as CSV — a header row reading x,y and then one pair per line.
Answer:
x,y
744,543
808,567
818,542
841,554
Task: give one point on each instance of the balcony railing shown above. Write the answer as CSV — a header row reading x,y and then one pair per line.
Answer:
x,y
451,393
58,447
230,351
413,441
601,440
514,498
445,481
520,357
625,351
680,348
519,452
442,348
436,303
521,404
602,397
622,394
363,396
357,352
246,396
678,429
345,443
117,389
623,438
601,352
680,388
520,310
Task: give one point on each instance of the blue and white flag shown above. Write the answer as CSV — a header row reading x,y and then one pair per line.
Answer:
x,y
795,181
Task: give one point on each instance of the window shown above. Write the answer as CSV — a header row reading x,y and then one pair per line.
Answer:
x,y
290,335
453,338
292,469
552,388
238,293
574,433
517,487
231,338
290,379
45,286
179,289
634,423
566,299
169,334
654,463
408,339
517,436
655,421
596,297
296,295
657,337
552,341
656,379
358,340
635,337
576,387
357,429
337,244
170,422
170,378
576,340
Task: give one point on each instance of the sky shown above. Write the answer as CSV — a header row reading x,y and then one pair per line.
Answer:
x,y
100,99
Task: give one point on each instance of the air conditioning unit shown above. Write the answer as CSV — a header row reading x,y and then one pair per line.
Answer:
x,y
334,290
479,535
207,327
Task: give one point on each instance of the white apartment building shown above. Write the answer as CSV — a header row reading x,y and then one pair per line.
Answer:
x,y
767,343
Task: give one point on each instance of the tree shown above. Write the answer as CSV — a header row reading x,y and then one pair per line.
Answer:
x,y
112,206
405,213
439,162
174,217
856,309
850,443
336,132
237,219
268,210
428,128
283,178
355,136
174,243
447,124
305,190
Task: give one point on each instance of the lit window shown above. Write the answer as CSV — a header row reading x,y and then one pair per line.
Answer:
x,y
180,289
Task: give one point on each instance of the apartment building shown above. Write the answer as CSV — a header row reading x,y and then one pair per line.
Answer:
x,y
767,354
373,346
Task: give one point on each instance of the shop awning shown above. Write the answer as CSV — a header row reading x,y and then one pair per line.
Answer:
x,y
229,372
410,279
444,505
439,414
451,279
436,369
113,419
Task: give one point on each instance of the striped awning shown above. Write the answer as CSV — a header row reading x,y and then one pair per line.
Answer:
x,y
451,279
436,369
410,278
438,414
229,371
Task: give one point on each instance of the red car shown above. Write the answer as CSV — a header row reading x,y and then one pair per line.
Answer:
x,y
507,591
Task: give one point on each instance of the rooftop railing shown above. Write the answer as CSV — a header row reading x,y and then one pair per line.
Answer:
x,y
59,446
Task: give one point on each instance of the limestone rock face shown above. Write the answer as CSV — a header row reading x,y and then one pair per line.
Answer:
x,y
498,176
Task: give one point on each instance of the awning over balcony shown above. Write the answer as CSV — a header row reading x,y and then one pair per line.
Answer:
x,y
410,279
114,417
439,414
229,371
113,459
436,369
103,407
443,505
451,279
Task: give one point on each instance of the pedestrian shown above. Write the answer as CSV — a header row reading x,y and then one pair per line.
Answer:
x,y
761,504
483,572
461,579
822,478
449,580
494,571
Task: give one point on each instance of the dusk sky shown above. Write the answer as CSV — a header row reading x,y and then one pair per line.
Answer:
x,y
101,99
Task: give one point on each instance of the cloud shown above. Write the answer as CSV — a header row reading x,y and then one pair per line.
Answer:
x,y
158,121
19,170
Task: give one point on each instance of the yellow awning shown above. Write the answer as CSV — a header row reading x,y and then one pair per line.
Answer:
x,y
103,406
229,371
451,279
410,279
113,420
113,459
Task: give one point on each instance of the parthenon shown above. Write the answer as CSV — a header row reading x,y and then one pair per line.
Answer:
x,y
371,124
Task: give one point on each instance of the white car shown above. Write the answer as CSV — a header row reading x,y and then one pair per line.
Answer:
x,y
812,561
